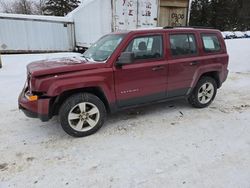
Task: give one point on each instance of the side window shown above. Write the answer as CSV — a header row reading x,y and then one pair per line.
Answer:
x,y
149,47
211,43
182,44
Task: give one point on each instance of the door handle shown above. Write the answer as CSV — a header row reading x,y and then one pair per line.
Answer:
x,y
194,63
157,68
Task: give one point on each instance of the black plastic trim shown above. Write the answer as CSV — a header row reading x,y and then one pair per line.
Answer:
x,y
150,99
31,114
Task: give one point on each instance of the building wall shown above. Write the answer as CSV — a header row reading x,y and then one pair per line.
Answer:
x,y
83,26
31,33
173,12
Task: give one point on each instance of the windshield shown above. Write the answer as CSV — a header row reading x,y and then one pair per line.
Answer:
x,y
103,48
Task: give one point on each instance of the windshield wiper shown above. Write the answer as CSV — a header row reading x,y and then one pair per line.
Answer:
x,y
85,58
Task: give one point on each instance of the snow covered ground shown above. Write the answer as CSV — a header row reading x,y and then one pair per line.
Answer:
x,y
163,145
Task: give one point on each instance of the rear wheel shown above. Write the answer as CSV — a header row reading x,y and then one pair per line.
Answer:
x,y
204,93
82,114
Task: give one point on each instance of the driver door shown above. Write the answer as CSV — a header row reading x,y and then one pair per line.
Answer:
x,y
145,79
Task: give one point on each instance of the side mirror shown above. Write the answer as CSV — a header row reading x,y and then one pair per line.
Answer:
x,y
125,58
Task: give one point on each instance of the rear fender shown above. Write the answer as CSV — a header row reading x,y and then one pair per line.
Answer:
x,y
206,69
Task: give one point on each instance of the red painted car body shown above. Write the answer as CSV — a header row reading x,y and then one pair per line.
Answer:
x,y
138,83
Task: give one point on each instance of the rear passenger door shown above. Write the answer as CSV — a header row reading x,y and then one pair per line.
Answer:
x,y
184,59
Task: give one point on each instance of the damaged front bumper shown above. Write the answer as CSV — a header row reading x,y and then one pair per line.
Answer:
x,y
34,109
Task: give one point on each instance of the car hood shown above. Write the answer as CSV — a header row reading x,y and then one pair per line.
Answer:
x,y
61,65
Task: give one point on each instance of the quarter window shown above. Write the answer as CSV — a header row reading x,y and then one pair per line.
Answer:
x,y
211,43
183,44
146,47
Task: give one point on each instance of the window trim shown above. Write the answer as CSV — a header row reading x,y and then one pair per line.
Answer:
x,y
149,59
204,49
185,55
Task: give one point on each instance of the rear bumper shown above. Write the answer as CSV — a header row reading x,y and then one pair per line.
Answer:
x,y
222,77
225,75
34,109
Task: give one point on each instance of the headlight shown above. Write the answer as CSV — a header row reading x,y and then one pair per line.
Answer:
x,y
31,97
30,87
29,82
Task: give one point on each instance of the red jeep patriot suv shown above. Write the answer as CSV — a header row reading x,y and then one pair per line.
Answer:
x,y
124,70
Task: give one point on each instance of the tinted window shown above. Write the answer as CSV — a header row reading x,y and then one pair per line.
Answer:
x,y
211,43
183,44
146,47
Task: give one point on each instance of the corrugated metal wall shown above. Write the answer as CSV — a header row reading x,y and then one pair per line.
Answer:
x,y
19,35
92,19
135,14
84,25
95,18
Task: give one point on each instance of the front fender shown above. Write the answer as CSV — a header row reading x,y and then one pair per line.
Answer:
x,y
60,86
54,86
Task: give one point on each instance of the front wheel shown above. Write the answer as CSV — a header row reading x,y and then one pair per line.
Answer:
x,y
204,93
82,114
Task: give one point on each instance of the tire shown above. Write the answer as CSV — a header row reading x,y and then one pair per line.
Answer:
x,y
82,114
204,93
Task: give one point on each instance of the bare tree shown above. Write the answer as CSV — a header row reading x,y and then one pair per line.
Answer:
x,y
23,7
6,7
19,7
39,6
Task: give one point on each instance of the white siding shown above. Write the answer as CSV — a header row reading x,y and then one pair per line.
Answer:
x,y
35,34
92,20
135,14
125,14
95,18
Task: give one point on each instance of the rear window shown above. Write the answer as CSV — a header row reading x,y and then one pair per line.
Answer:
x,y
211,43
183,45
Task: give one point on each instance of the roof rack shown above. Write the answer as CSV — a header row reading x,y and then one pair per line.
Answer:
x,y
193,27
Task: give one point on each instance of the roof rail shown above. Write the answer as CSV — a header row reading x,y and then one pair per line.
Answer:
x,y
193,27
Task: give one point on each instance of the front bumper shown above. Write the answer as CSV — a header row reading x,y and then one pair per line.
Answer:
x,y
34,109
